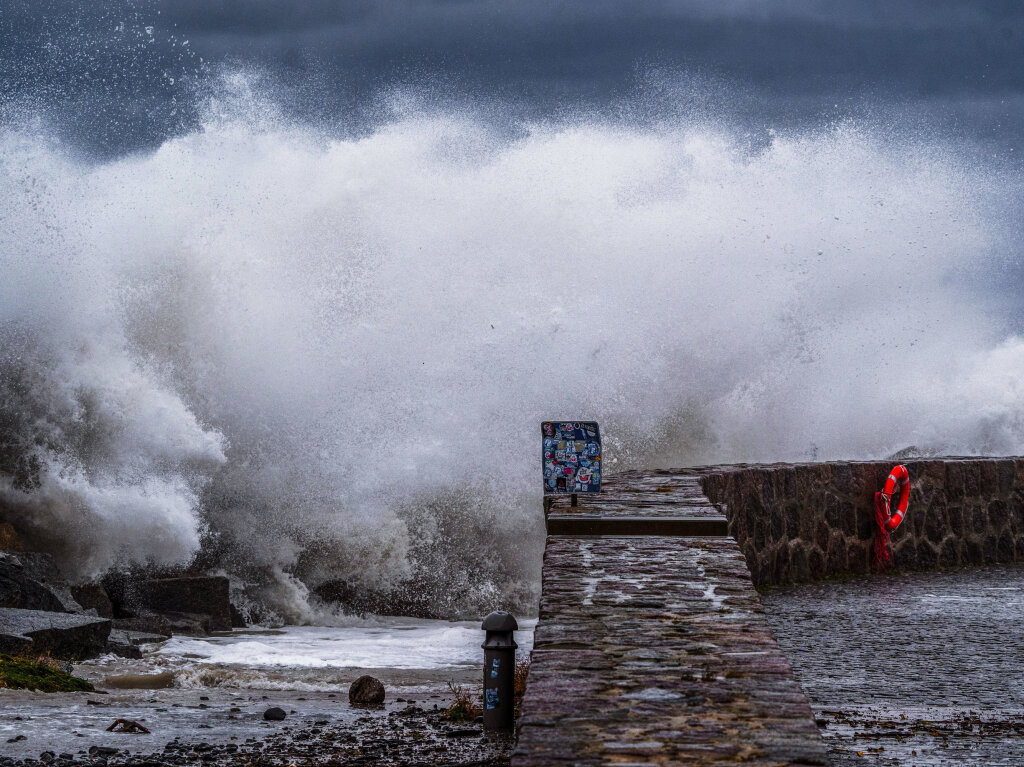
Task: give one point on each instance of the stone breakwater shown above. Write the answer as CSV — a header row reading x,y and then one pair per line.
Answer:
x,y
801,522
652,645
653,648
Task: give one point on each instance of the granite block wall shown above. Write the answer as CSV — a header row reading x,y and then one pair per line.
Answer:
x,y
800,522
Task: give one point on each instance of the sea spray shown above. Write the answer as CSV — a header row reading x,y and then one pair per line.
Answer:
x,y
303,358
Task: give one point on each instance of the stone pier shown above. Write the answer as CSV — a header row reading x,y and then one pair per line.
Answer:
x,y
652,646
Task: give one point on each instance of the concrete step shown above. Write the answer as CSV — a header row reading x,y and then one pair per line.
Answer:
x,y
666,526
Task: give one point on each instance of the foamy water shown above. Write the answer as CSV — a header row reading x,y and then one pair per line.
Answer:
x,y
412,654
314,357
215,689
396,643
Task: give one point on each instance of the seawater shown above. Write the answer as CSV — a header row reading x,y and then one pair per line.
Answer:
x,y
215,689
924,666
311,658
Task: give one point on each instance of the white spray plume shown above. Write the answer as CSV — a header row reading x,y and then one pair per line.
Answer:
x,y
330,357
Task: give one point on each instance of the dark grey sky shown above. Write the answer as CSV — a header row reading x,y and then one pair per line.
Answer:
x,y
109,85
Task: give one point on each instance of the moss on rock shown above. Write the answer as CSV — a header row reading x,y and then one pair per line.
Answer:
x,y
42,674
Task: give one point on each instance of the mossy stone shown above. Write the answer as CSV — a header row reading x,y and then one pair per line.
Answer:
x,y
25,674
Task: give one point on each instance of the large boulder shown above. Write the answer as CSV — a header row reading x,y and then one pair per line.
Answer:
x,y
118,586
60,635
30,581
128,644
366,691
184,598
92,596
404,600
144,621
275,714
237,618
192,624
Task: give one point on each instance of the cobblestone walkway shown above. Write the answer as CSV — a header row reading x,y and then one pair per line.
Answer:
x,y
647,494
654,650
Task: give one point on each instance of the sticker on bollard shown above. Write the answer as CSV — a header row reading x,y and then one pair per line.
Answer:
x,y
499,671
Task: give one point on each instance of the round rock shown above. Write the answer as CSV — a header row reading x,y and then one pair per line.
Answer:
x,y
274,714
366,691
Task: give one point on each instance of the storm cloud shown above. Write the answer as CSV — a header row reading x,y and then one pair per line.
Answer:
x,y
113,77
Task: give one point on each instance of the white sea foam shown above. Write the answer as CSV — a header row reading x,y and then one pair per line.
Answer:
x,y
329,356
391,643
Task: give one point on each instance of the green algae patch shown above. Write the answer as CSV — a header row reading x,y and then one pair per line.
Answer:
x,y
40,674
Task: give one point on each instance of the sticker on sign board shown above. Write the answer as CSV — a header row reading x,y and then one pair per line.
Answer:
x,y
573,463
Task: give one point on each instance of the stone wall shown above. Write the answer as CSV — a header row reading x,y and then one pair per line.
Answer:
x,y
799,522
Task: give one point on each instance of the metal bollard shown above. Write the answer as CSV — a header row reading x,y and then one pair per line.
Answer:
x,y
499,671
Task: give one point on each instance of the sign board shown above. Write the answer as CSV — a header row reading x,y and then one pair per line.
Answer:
x,y
572,456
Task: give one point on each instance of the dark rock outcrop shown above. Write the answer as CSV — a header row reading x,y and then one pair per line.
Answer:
x,y
92,596
61,635
118,587
30,581
366,691
192,624
167,623
128,644
194,605
24,593
186,598
274,714
144,621
358,600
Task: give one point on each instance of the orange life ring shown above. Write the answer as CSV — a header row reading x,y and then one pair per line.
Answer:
x,y
899,478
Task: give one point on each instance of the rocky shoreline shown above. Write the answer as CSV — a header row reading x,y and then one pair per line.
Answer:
x,y
42,615
412,735
236,727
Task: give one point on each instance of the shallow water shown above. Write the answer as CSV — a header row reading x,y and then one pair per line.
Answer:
x,y
322,655
215,689
925,667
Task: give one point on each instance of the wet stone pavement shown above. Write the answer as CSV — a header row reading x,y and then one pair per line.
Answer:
x,y
913,669
655,651
648,493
